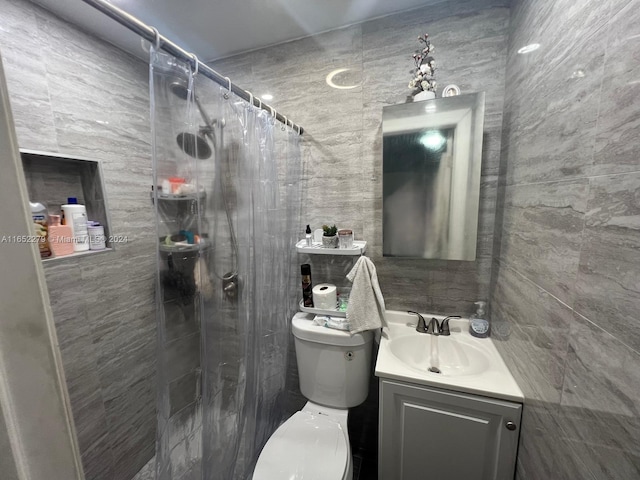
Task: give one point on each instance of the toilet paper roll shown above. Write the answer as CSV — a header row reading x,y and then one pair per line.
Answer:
x,y
325,296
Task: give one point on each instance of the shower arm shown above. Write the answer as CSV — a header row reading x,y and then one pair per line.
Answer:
x,y
204,115
150,34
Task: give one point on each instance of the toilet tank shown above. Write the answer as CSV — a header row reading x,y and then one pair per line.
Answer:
x,y
333,366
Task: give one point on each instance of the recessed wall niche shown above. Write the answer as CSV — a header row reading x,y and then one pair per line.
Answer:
x,y
52,178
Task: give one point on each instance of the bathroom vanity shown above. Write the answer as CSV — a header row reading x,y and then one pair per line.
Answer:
x,y
461,423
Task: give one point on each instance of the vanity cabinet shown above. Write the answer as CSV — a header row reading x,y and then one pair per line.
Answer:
x,y
431,433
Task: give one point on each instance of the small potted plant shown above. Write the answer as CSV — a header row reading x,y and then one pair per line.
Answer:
x,y
330,237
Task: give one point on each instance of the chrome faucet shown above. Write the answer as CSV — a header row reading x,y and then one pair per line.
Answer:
x,y
433,327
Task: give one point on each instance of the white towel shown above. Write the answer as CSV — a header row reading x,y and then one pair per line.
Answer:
x,y
365,310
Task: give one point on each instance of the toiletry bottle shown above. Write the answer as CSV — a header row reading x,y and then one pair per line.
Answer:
x,y
41,228
309,237
478,323
75,216
307,287
97,240
60,237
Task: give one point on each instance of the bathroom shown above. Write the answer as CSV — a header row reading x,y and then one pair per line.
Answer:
x,y
557,245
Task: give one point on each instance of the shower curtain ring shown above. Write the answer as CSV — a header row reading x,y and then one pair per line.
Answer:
x,y
196,62
228,94
156,39
274,113
286,123
298,129
259,100
250,100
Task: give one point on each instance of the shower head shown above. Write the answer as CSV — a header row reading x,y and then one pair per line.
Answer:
x,y
195,146
179,89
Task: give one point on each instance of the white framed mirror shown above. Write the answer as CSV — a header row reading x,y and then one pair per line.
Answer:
x,y
432,156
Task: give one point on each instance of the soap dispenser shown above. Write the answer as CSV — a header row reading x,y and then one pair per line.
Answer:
x,y
478,323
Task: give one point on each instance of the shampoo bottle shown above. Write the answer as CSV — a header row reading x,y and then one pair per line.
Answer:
x,y
478,323
75,216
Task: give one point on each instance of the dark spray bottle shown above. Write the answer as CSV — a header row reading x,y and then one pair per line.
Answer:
x,y
307,287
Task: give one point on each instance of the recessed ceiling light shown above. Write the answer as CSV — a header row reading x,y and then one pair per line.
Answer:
x,y
267,97
332,84
529,48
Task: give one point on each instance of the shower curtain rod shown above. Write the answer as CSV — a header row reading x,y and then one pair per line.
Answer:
x,y
151,35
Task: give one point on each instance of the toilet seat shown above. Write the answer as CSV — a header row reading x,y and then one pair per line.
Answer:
x,y
307,446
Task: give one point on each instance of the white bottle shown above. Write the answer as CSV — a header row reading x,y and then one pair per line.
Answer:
x,y
75,216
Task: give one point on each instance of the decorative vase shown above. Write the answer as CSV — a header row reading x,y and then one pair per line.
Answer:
x,y
330,242
428,95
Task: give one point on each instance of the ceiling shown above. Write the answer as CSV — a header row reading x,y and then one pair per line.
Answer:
x,y
214,29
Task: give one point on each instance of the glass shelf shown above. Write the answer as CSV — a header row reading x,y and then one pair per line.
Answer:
x,y
359,247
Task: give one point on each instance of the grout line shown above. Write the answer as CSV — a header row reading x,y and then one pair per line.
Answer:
x,y
574,179
573,310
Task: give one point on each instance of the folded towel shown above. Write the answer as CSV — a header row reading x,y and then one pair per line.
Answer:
x,y
365,310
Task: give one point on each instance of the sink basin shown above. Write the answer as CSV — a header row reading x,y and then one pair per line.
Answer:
x,y
464,363
454,356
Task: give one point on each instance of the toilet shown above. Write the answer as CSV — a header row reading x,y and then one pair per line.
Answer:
x,y
313,444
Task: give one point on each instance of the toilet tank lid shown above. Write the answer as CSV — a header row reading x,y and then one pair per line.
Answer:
x,y
304,329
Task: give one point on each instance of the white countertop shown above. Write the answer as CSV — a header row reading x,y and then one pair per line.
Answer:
x,y
468,364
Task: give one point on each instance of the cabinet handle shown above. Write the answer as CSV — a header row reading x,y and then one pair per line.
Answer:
x,y
511,426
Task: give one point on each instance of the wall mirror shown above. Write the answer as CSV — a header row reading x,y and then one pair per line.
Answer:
x,y
432,154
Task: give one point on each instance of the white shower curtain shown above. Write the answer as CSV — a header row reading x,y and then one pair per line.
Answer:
x,y
218,406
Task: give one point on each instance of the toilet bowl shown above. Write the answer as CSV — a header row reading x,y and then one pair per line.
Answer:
x,y
313,444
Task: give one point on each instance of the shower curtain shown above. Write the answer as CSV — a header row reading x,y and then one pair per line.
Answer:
x,y
227,223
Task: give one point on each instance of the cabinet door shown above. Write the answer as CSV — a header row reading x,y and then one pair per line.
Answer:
x,y
427,433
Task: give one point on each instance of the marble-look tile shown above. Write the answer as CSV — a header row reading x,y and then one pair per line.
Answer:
x,y
23,59
607,285
183,356
94,88
148,472
516,300
396,35
542,233
183,391
554,129
600,406
541,439
132,428
619,118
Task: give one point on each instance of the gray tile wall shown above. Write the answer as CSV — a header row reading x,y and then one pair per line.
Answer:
x,y
343,147
73,94
343,140
565,289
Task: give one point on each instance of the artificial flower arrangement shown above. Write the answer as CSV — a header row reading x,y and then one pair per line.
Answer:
x,y
424,78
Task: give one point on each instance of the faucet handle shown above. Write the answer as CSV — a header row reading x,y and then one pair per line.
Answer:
x,y
421,327
444,326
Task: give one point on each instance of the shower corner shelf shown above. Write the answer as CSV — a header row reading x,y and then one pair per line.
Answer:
x,y
359,247
179,197
319,311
